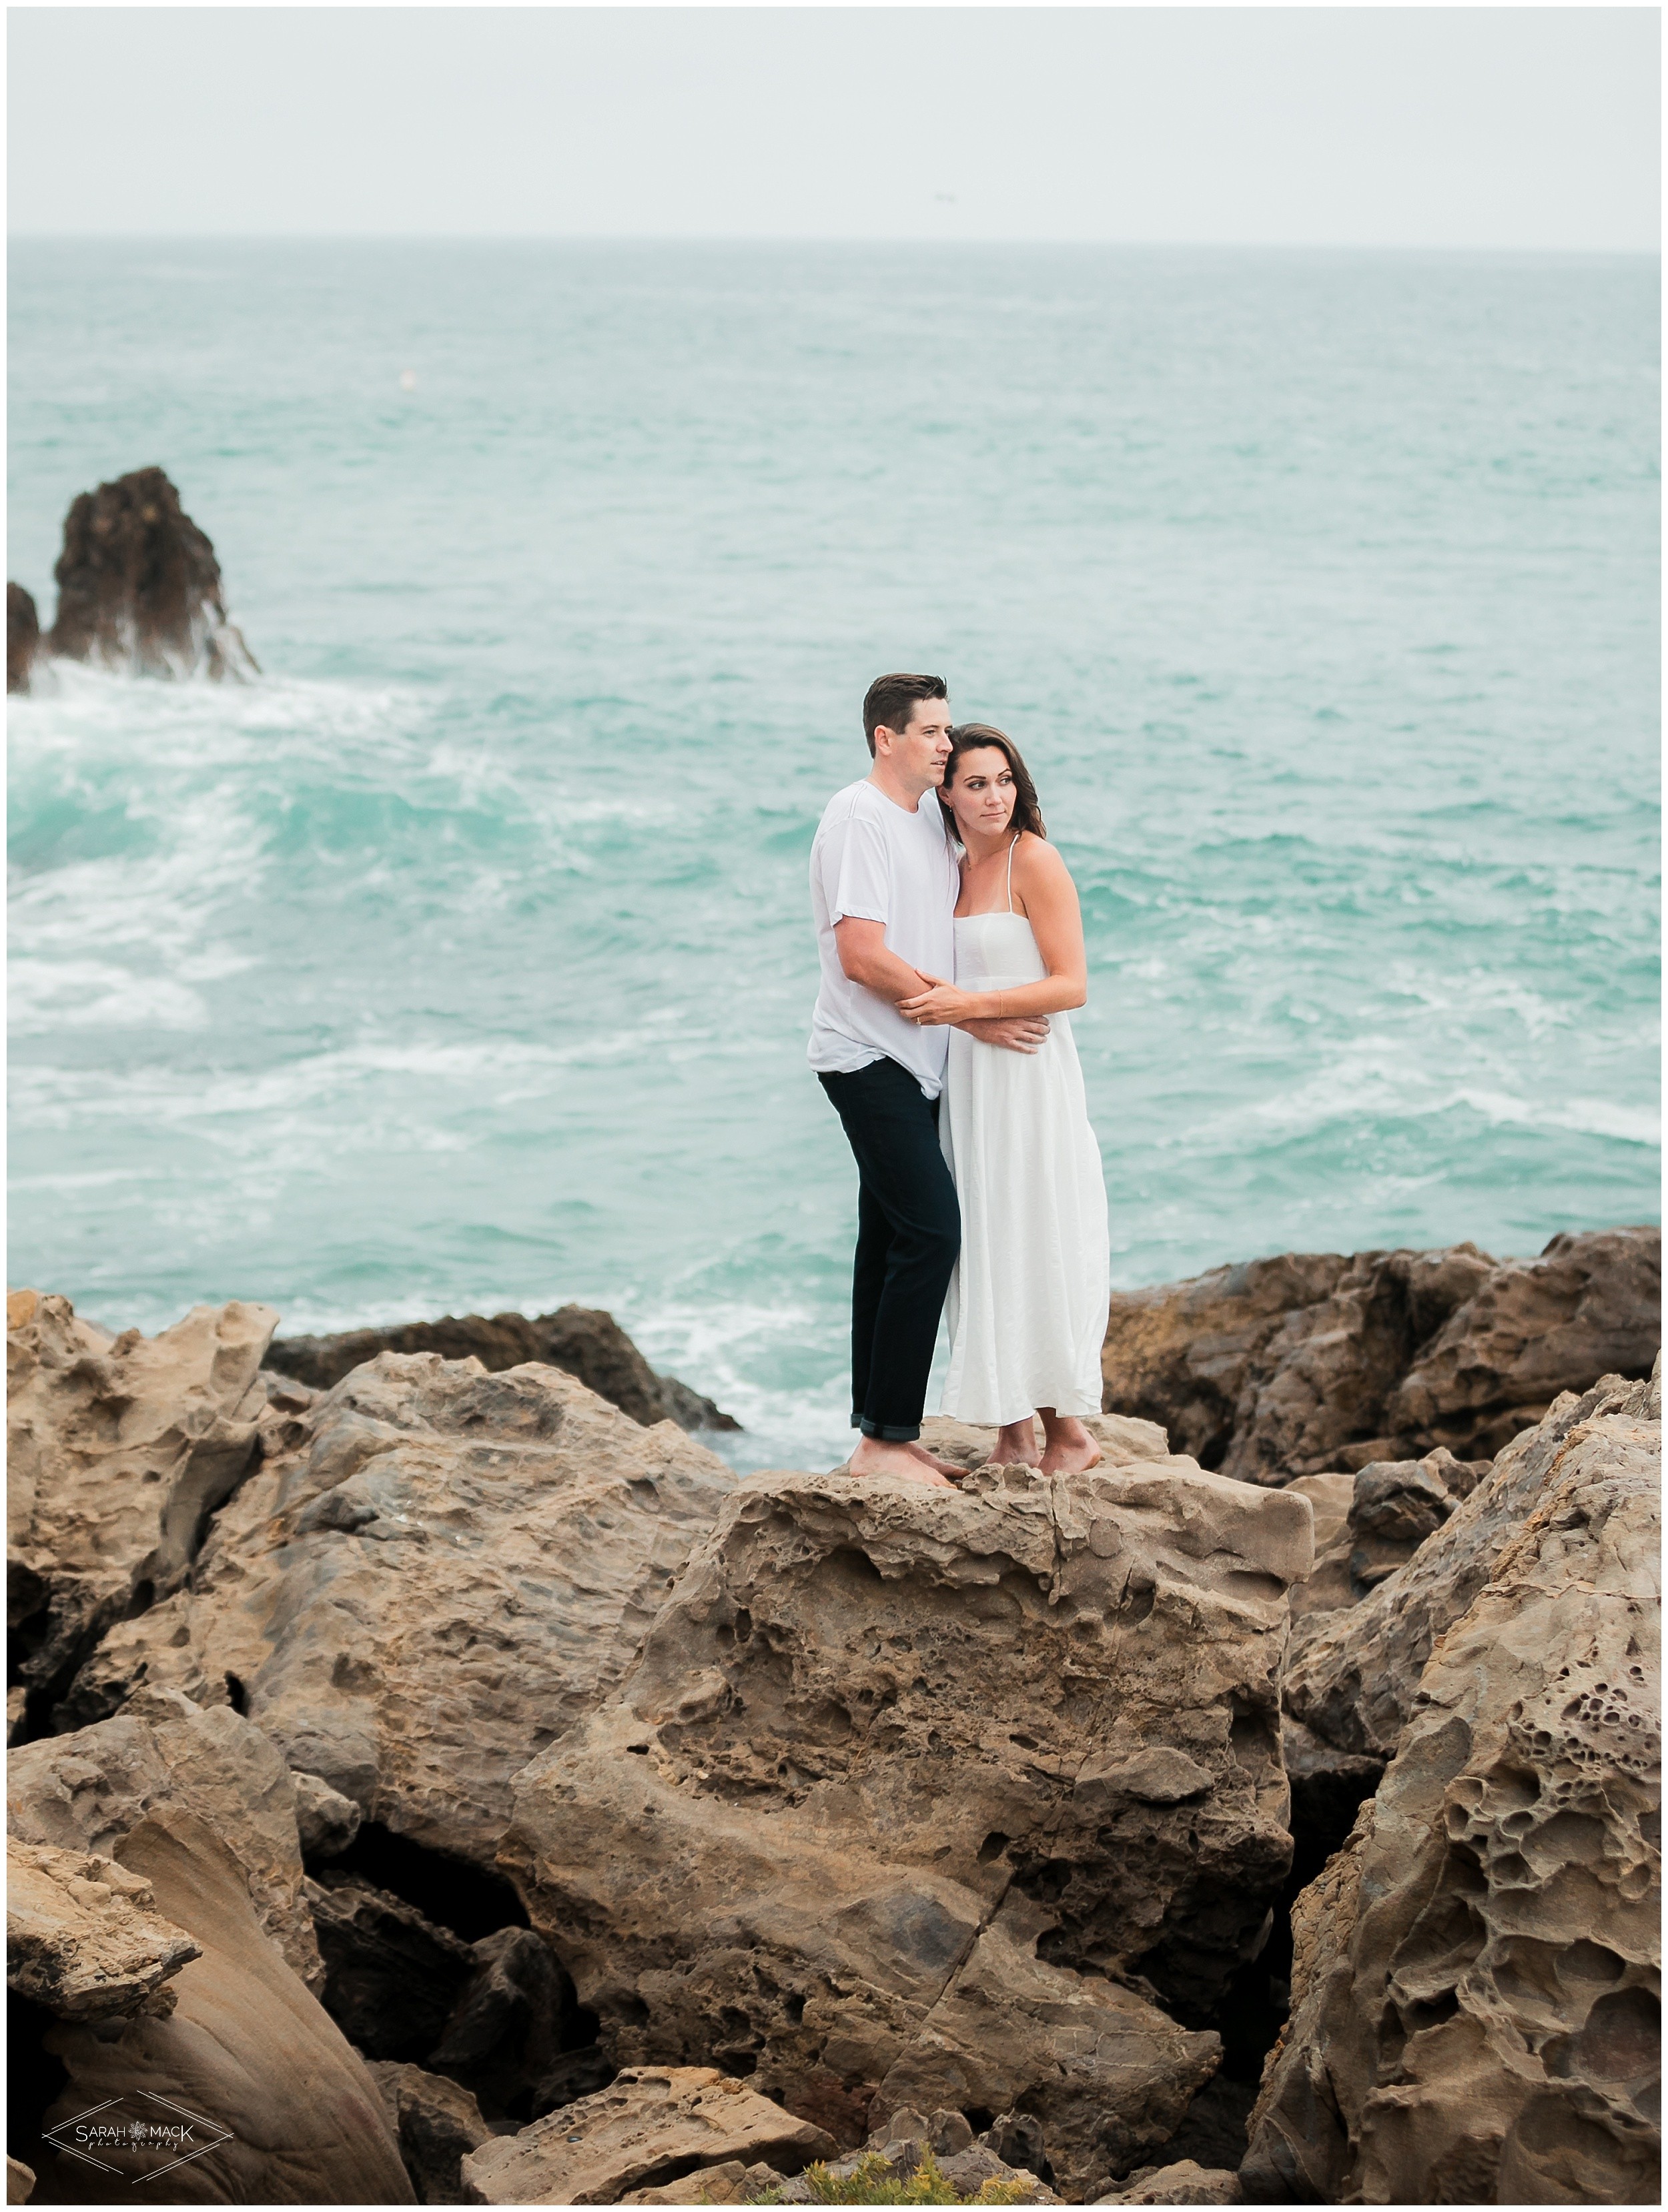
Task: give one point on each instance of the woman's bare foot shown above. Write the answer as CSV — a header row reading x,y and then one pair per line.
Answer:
x,y
1015,1445
1068,1449
874,1455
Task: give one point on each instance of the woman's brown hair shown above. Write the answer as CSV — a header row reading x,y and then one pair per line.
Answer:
x,y
971,738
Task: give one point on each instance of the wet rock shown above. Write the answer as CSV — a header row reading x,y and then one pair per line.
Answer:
x,y
83,1792
249,2052
1352,1675
651,2125
327,1820
139,588
1184,2183
436,2124
504,2034
1316,1361
1474,1982
83,1937
578,1340
119,1450
827,1829
23,637
429,1588
392,1976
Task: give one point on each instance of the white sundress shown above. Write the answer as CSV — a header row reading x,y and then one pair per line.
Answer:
x,y
1028,1301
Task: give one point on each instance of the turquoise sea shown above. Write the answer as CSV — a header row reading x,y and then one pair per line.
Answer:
x,y
464,962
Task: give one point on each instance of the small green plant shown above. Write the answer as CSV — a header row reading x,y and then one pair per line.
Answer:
x,y
874,2180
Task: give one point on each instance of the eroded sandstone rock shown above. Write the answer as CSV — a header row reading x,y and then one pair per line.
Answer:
x,y
918,1780
246,2050
119,1450
1317,1362
83,1792
1185,2183
139,588
436,2124
1474,1988
430,1588
649,2124
83,1937
579,1339
1353,1676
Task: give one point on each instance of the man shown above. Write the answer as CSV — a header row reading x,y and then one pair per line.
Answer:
x,y
884,884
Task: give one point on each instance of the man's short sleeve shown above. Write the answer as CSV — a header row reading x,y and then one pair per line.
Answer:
x,y
857,872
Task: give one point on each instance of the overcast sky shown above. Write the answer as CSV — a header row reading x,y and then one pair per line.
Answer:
x,y
1520,127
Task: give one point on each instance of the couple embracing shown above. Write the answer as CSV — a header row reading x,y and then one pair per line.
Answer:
x,y
951,948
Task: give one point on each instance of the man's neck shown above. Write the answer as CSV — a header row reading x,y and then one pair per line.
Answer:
x,y
891,786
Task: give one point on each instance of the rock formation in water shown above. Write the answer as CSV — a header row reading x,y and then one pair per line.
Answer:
x,y
23,637
924,1797
579,1340
1476,1983
1314,1362
138,586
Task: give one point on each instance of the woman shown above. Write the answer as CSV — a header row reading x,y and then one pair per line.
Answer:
x,y
1028,1301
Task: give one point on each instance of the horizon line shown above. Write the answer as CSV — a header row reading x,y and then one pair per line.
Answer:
x,y
807,238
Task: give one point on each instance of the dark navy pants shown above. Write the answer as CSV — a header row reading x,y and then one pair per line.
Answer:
x,y
909,1233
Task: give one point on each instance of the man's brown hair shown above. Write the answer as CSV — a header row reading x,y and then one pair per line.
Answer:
x,y
891,699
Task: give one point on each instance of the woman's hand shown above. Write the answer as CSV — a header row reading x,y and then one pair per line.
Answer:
x,y
940,1003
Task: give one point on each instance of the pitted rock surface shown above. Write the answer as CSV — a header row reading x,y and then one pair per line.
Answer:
x,y
1476,1980
1353,1674
431,1586
82,1935
834,1813
119,1449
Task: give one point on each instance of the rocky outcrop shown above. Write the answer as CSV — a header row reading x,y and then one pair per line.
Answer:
x,y
83,1938
1475,1975
436,2124
139,588
1316,1361
1185,2183
430,1586
82,1793
119,1450
283,2110
652,2124
23,637
1353,1676
921,1796
576,1339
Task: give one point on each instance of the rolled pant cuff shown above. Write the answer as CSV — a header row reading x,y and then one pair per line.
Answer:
x,y
894,1432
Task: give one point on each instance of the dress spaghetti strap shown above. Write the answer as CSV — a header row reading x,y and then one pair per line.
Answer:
x,y
1017,836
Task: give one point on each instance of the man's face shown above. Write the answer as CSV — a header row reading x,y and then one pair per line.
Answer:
x,y
920,751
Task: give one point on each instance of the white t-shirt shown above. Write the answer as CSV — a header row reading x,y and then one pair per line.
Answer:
x,y
874,861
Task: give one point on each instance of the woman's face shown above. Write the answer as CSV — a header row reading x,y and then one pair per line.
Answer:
x,y
981,794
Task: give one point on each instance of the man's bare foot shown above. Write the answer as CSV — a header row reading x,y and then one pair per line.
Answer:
x,y
1069,1449
1016,1445
874,1455
950,1466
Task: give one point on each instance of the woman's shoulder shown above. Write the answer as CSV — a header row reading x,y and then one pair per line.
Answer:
x,y
1036,861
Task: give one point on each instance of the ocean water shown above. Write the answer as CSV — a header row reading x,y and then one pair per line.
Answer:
x,y
464,961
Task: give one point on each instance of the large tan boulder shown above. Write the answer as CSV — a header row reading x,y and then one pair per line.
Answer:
x,y
1314,1362
1475,1976
430,1588
278,2109
83,1937
909,1785
650,2123
83,1792
1353,1674
119,1449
